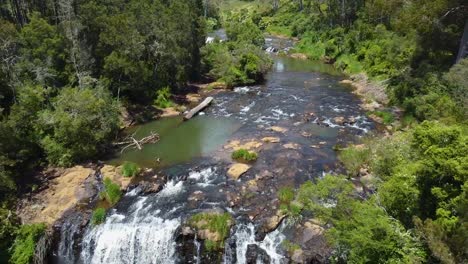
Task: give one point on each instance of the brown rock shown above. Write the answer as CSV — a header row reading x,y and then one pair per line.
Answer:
x,y
271,139
292,146
278,129
300,56
236,170
339,120
298,256
114,173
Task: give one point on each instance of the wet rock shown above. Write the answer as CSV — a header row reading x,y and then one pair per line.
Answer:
x,y
236,170
114,173
352,120
255,255
306,134
339,120
150,187
292,146
196,196
263,175
252,186
187,231
278,129
271,139
233,198
270,224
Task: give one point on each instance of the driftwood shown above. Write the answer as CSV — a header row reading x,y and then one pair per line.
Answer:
x,y
197,109
131,142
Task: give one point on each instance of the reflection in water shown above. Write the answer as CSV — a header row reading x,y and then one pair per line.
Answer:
x,y
180,141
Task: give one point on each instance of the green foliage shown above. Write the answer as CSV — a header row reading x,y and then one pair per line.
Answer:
x,y
218,223
111,192
286,195
387,117
130,169
79,125
99,216
235,64
25,243
457,80
354,158
163,98
289,246
8,228
245,155
245,32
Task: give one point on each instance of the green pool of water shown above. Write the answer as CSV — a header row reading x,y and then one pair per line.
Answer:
x,y
180,141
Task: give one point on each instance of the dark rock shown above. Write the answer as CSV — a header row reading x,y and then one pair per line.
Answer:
x,y
255,255
150,187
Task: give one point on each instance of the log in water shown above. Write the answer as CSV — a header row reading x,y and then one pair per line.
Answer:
x,y
197,109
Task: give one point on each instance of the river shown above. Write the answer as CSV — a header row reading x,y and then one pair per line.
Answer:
x,y
303,97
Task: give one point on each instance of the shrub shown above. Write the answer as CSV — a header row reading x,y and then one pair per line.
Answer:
x,y
163,98
111,192
130,169
387,118
286,195
354,158
98,217
243,154
24,247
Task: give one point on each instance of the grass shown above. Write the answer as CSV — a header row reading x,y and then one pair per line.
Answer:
x,y
290,246
218,223
286,195
387,117
244,155
111,192
99,215
279,30
130,169
354,158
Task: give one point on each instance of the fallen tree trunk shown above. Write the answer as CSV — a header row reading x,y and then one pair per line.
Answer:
x,y
132,142
197,109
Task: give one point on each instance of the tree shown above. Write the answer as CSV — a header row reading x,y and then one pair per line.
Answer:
x,y
79,125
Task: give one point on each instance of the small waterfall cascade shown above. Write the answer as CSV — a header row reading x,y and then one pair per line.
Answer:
x,y
244,235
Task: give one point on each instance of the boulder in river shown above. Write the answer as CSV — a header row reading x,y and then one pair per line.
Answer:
x,y
339,120
292,146
278,129
236,170
255,255
149,187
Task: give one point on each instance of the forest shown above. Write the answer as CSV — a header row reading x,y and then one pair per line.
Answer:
x,y
68,68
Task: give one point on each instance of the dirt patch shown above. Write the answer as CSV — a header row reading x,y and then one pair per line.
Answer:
x,y
248,145
373,93
74,186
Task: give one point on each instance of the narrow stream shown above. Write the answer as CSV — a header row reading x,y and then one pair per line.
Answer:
x,y
304,97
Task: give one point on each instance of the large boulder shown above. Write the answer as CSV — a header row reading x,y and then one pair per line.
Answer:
x,y
236,170
255,255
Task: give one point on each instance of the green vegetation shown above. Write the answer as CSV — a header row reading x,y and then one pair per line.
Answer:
x,y
387,118
217,223
99,216
289,246
111,192
24,246
163,98
130,169
286,195
244,155
354,158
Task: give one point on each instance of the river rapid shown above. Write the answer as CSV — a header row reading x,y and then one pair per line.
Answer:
x,y
303,97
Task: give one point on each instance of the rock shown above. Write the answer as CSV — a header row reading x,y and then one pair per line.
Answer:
x,y
352,120
196,196
292,146
314,146
193,98
372,106
264,174
75,185
271,139
339,120
298,256
306,134
217,85
349,82
149,187
368,181
300,56
252,186
114,173
255,254
249,145
278,129
186,231
236,170
311,230
273,222
170,111
233,198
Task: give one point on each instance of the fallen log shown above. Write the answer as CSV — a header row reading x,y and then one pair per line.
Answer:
x,y
132,142
197,109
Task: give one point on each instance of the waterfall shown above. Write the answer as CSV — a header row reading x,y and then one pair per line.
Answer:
x,y
244,236
143,236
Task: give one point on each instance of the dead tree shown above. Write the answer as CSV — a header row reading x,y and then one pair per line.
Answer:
x,y
131,142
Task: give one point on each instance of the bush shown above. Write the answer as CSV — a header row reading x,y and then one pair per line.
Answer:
x,y
99,216
111,192
243,154
354,158
387,118
24,247
163,98
286,195
130,169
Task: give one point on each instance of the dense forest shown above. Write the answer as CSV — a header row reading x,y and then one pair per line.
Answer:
x,y
68,68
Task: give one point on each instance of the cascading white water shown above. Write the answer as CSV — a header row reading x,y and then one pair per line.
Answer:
x,y
245,236
140,237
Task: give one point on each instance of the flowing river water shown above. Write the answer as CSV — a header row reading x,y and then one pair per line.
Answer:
x,y
304,97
